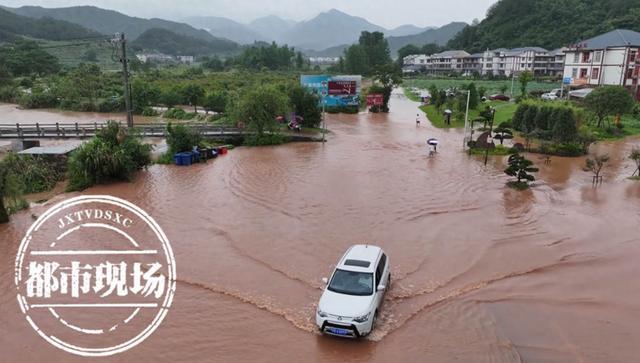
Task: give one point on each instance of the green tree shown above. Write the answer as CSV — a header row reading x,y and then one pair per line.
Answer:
x,y
474,100
90,56
144,95
388,76
482,91
215,101
565,128
596,164
503,89
520,168
212,64
259,108
524,78
27,58
431,48
300,63
193,94
170,97
440,99
503,133
376,48
609,101
305,104
356,60
407,50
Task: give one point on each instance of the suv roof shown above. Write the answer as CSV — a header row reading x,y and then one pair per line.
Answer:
x,y
361,258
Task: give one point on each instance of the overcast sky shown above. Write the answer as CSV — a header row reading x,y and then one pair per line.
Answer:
x,y
387,13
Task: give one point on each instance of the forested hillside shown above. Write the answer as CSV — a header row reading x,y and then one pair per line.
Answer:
x,y
109,21
168,42
547,23
12,26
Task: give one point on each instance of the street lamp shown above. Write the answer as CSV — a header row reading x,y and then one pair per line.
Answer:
x,y
466,120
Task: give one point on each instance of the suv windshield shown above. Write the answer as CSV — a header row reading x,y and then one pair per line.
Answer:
x,y
352,283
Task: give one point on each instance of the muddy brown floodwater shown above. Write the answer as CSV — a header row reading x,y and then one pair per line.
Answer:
x,y
481,273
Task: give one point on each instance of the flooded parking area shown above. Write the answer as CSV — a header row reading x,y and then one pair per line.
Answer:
x,y
480,272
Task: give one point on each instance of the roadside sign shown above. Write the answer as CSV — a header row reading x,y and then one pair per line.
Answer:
x,y
375,100
566,80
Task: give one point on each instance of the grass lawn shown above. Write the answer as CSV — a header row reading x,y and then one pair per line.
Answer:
x,y
631,127
492,87
504,112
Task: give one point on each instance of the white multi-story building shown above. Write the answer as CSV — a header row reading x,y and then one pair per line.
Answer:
x,y
498,62
608,59
507,62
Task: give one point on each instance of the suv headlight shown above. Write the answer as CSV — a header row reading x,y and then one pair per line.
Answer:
x,y
322,314
362,319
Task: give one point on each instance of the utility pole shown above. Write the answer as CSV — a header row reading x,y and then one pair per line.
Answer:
x,y
324,121
125,76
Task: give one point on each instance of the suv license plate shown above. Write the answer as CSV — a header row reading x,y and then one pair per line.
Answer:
x,y
339,331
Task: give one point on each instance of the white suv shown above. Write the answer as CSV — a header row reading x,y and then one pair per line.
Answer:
x,y
350,303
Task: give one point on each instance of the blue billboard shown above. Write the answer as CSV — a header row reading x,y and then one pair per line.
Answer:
x,y
332,90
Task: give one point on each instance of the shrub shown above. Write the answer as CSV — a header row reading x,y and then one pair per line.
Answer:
x,y
38,100
636,110
181,138
570,149
343,109
179,114
265,140
149,112
34,173
113,154
305,104
111,105
8,94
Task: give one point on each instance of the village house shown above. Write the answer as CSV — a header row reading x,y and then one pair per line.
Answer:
x,y
609,59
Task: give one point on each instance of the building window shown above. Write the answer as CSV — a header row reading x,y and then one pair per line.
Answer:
x,y
595,74
598,57
583,73
629,73
576,57
574,73
632,56
585,57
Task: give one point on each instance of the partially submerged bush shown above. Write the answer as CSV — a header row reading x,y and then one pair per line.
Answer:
x,y
35,174
179,114
113,154
181,138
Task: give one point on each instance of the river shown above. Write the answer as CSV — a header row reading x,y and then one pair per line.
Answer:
x,y
481,273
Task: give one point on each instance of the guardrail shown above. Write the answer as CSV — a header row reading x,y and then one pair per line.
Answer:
x,y
84,130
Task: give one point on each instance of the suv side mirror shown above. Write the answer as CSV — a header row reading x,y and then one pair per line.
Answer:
x,y
325,280
382,287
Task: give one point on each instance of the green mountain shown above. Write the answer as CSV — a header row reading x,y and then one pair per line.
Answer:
x,y
438,36
109,21
14,26
168,42
547,23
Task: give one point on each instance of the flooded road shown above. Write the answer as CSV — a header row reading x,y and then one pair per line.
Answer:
x,y
480,272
